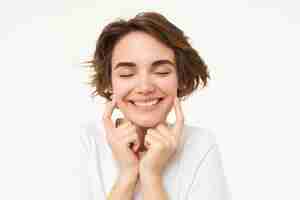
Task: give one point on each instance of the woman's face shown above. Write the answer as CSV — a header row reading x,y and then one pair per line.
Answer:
x,y
144,78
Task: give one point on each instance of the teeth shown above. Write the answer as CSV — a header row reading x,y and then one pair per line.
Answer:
x,y
148,103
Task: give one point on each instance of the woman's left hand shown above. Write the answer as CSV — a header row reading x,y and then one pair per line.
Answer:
x,y
161,142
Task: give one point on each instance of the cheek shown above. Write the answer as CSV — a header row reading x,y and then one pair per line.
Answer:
x,y
169,86
121,89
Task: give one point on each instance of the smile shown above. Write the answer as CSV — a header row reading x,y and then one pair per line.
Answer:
x,y
146,104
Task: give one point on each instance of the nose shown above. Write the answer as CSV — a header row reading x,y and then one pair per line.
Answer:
x,y
145,86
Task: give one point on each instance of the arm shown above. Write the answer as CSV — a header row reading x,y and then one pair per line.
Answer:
x,y
123,188
152,188
85,149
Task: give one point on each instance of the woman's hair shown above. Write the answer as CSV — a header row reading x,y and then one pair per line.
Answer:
x,y
191,69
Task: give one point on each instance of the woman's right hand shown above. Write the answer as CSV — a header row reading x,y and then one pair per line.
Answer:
x,y
120,138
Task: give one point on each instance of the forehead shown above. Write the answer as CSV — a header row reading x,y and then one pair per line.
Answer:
x,y
140,48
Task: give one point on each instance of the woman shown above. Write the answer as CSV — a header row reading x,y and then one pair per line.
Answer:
x,y
144,67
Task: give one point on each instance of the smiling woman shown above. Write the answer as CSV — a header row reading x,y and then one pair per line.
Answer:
x,y
145,66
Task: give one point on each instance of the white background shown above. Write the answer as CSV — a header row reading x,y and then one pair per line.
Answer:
x,y
252,103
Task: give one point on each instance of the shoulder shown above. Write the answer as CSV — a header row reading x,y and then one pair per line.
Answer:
x,y
197,143
201,171
198,140
90,133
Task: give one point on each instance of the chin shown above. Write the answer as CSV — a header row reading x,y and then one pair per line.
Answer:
x,y
146,123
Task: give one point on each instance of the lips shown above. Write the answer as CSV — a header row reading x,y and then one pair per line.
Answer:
x,y
146,103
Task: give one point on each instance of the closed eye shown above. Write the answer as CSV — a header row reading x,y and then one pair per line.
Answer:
x,y
159,73
162,73
126,75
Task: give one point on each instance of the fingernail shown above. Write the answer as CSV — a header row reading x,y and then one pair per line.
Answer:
x,y
118,122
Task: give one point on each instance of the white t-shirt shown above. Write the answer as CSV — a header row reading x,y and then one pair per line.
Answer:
x,y
195,172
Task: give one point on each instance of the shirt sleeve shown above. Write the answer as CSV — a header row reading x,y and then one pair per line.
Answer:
x,y
209,182
91,186
85,192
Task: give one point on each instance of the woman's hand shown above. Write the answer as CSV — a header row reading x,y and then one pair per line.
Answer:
x,y
120,138
161,142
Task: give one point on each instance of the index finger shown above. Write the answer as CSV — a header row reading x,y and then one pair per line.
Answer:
x,y
179,115
109,107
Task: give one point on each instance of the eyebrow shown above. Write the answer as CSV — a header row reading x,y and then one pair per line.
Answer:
x,y
154,64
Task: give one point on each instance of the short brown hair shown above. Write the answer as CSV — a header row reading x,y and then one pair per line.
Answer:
x,y
191,69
